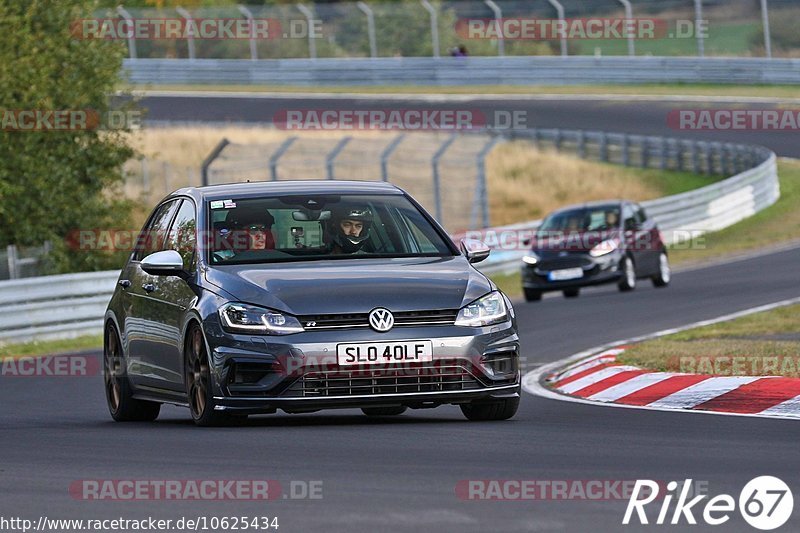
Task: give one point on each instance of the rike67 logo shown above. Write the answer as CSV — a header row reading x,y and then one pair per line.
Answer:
x,y
765,503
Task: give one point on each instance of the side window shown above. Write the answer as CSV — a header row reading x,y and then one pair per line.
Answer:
x,y
152,237
640,215
628,218
183,235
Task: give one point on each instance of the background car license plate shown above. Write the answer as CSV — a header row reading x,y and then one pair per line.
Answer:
x,y
565,274
372,353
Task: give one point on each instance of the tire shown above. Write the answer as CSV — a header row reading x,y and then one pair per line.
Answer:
x,y
572,293
199,391
119,394
384,411
492,410
532,295
628,281
664,275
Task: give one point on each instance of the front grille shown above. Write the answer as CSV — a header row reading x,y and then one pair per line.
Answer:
x,y
563,262
388,380
361,320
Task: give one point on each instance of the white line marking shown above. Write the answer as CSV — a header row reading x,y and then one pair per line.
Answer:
x,y
638,383
451,97
702,392
594,377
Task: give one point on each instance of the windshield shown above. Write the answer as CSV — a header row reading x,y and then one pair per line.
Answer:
x,y
604,218
302,228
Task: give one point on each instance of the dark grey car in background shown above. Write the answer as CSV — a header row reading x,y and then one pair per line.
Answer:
x,y
244,299
612,241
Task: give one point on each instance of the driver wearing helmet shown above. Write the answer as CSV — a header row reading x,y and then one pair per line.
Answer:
x,y
349,227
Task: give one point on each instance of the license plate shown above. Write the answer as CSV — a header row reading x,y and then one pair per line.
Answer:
x,y
565,274
373,353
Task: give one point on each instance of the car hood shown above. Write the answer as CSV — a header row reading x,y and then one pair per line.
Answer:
x,y
354,285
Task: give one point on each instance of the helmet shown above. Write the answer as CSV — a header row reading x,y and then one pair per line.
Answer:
x,y
350,243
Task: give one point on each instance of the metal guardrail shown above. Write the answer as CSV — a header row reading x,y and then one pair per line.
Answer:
x,y
73,304
51,307
509,70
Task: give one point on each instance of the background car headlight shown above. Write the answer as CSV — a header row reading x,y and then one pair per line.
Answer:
x,y
243,318
604,248
530,259
491,309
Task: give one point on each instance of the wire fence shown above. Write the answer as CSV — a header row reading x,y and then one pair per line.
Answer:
x,y
412,28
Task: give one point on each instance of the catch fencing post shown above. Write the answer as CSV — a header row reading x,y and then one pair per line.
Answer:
x,y
629,26
249,14
482,196
312,45
387,153
131,41
698,20
626,151
11,250
498,17
645,155
664,153
603,147
434,26
331,157
767,34
373,43
189,34
210,159
437,193
273,160
560,10
581,144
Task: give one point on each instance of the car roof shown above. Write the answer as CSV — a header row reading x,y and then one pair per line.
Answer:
x,y
255,188
592,205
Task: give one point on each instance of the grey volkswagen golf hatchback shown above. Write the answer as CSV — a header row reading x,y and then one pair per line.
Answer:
x,y
247,298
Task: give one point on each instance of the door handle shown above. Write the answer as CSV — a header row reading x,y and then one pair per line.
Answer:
x,y
124,283
149,287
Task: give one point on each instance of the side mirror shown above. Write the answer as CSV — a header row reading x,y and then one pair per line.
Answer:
x,y
166,263
475,250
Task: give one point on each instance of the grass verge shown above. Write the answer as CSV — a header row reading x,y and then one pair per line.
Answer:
x,y
38,348
761,344
765,91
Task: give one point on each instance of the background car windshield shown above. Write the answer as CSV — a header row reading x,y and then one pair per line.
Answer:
x,y
300,228
584,219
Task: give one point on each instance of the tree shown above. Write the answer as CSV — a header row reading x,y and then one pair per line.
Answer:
x,y
54,181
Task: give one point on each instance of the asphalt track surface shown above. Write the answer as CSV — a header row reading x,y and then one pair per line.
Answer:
x,y
400,474
634,116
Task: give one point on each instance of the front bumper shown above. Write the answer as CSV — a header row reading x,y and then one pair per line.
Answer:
x,y
596,271
299,373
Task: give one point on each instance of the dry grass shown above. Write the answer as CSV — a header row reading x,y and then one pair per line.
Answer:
x,y
526,183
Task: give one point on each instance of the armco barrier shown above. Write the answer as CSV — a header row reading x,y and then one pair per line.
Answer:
x,y
510,70
73,304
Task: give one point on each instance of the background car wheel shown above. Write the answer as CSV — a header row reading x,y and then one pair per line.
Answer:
x,y
532,295
571,293
491,410
384,411
628,281
664,275
199,391
121,404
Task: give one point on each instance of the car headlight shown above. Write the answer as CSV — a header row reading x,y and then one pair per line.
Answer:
x,y
243,318
491,309
531,259
604,248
